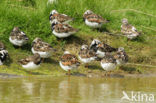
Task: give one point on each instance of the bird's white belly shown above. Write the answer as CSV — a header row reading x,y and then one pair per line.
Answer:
x,y
42,54
30,66
62,35
93,24
1,63
17,42
86,60
132,36
66,68
108,66
100,54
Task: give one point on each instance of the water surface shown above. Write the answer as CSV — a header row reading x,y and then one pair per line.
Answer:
x,y
72,89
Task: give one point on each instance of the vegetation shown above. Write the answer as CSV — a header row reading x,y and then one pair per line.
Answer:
x,y
32,16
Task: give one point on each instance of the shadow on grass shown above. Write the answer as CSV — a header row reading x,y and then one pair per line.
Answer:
x,y
139,39
24,47
8,62
51,61
103,29
75,40
95,67
128,69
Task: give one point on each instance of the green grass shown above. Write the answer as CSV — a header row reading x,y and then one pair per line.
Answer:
x,y
32,16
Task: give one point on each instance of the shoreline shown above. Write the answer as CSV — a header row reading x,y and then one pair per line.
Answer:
x,y
88,75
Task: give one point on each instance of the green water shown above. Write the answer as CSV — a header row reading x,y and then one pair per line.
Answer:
x,y
72,89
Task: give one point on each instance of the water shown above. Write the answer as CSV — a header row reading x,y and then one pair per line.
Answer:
x,y
72,89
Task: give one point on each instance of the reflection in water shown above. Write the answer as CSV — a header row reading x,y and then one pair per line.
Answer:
x,y
71,90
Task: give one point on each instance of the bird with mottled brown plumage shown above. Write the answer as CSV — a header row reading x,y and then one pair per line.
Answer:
x,y
61,18
93,20
128,30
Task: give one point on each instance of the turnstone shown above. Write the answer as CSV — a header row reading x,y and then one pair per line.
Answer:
x,y
101,48
108,63
42,48
18,37
31,62
62,30
86,55
121,56
3,56
128,30
94,44
61,18
93,20
69,62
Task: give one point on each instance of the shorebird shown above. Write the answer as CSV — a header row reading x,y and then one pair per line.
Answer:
x,y
101,48
93,20
42,48
69,62
62,30
121,56
3,53
31,62
60,18
3,56
18,37
128,30
86,55
108,63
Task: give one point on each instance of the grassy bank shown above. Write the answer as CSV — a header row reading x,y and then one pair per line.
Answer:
x,y
32,16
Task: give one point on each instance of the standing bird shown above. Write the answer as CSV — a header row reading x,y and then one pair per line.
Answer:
x,y
62,30
42,48
3,53
69,62
121,56
101,48
31,62
18,37
60,18
108,63
93,20
128,30
86,55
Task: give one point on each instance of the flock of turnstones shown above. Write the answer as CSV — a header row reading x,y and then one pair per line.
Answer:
x,y
110,57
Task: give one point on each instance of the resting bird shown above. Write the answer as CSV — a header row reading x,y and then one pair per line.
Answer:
x,y
3,56
18,37
128,30
42,48
108,63
101,48
61,18
86,55
62,30
121,56
31,62
69,62
3,53
93,20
